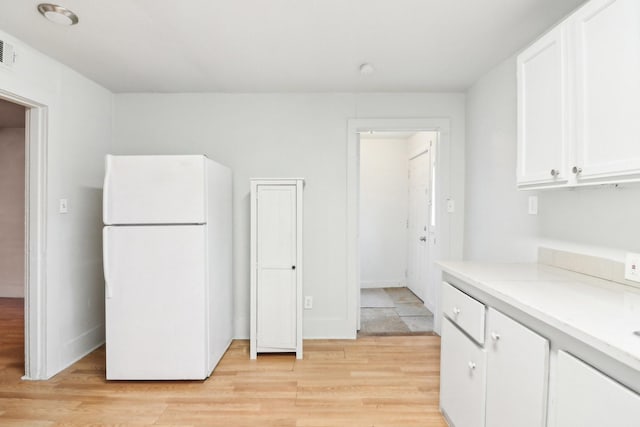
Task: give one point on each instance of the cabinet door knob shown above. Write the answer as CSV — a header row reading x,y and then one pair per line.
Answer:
x,y
293,267
576,170
456,311
555,172
495,336
472,365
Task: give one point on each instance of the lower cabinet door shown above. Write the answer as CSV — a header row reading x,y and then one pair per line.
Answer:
x,y
462,378
588,398
517,374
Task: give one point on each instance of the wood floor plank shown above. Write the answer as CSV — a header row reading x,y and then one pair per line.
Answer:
x,y
390,381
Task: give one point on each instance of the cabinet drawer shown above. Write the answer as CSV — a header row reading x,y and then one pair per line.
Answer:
x,y
588,398
462,378
464,311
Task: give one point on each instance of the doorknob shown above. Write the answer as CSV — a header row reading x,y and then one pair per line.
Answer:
x,y
423,238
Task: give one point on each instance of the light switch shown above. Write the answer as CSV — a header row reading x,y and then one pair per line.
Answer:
x,y
451,206
533,205
308,302
63,206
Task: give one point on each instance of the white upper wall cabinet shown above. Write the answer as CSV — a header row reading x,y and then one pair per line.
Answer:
x,y
579,99
607,81
542,116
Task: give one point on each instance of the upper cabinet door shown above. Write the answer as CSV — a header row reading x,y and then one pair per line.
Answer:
x,y
607,85
542,118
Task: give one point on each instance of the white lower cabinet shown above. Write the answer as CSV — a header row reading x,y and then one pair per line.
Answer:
x,y
462,378
517,373
500,380
587,398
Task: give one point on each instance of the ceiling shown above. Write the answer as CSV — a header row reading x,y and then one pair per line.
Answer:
x,y
285,45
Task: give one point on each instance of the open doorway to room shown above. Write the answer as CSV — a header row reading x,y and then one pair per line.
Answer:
x,y
397,229
12,234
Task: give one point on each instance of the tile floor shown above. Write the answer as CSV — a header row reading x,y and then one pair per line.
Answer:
x,y
393,311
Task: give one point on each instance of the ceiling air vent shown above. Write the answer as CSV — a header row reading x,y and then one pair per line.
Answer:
x,y
7,56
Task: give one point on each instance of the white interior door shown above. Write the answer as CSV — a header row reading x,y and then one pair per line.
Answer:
x,y
419,199
155,302
276,263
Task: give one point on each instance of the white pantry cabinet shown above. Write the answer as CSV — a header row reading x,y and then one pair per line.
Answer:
x,y
517,373
579,99
587,398
276,266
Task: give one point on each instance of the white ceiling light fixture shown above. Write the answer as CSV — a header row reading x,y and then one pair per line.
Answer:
x,y
366,69
58,14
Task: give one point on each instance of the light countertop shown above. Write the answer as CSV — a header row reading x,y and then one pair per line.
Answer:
x,y
600,313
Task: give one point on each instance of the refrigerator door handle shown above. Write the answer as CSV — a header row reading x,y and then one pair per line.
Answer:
x,y
105,261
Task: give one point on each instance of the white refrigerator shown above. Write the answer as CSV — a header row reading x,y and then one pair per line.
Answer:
x,y
167,264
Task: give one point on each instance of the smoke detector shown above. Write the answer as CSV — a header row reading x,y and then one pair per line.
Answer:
x,y
58,14
7,54
366,69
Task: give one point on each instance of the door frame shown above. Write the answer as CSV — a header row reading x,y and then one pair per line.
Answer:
x,y
354,128
36,125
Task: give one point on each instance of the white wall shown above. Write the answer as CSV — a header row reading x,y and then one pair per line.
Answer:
x,y
272,135
384,208
12,212
599,221
497,225
79,133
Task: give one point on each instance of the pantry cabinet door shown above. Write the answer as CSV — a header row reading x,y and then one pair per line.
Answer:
x,y
542,116
606,34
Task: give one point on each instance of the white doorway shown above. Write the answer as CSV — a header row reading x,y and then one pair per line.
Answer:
x,y
396,235
12,230
441,192
32,228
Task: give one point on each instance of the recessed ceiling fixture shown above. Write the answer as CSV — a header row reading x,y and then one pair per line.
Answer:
x,y
366,69
58,14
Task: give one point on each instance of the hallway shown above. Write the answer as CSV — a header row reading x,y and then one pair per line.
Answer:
x,y
393,311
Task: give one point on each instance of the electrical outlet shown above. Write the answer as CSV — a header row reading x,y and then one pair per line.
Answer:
x,y
632,267
308,303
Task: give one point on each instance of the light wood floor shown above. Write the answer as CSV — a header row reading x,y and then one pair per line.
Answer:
x,y
372,381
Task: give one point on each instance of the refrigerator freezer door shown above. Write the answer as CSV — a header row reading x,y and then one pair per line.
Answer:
x,y
155,190
155,305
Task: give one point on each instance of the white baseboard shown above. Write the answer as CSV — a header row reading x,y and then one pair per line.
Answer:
x,y
12,290
382,284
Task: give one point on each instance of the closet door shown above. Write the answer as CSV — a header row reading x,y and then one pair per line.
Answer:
x,y
276,264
